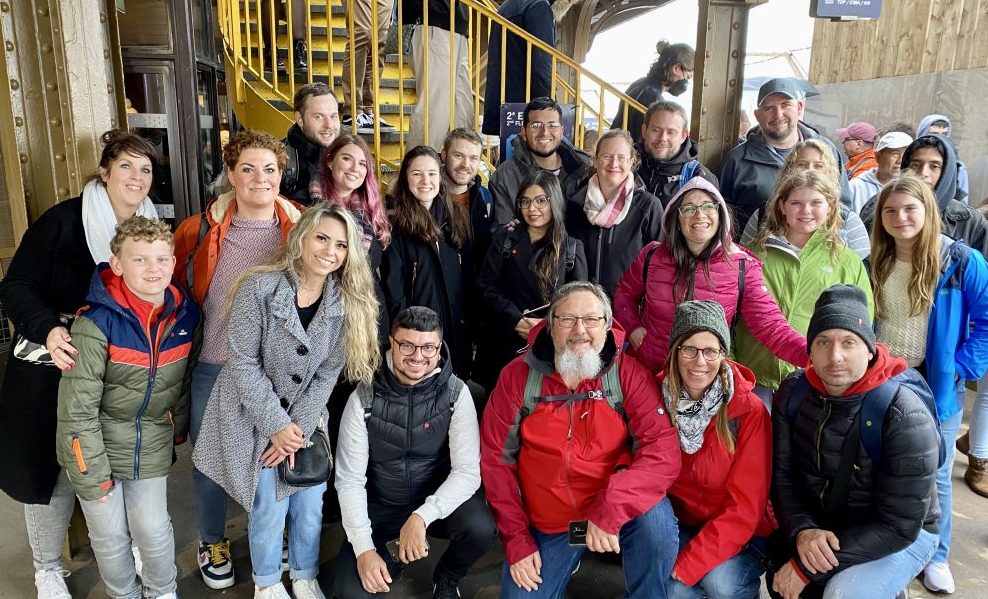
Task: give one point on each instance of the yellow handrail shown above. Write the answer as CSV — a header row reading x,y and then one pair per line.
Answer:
x,y
258,79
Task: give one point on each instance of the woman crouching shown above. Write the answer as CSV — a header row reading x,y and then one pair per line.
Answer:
x,y
725,433
292,323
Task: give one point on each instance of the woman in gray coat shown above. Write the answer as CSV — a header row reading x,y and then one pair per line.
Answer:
x,y
292,322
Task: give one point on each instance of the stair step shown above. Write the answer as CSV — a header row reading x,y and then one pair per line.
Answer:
x,y
319,52
385,109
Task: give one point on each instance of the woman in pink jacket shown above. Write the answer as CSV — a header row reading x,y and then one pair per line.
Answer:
x,y
696,260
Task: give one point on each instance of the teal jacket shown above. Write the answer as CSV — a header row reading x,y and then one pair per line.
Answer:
x,y
795,278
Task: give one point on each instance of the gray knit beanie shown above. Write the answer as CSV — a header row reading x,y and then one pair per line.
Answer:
x,y
842,307
694,316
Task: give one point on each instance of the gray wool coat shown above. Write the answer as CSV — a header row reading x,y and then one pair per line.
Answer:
x,y
277,373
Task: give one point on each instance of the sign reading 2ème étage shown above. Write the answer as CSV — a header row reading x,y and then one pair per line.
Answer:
x,y
835,9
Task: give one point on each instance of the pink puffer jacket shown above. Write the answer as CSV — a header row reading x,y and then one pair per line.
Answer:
x,y
758,309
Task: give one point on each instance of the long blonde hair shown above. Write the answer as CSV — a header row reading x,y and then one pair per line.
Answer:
x,y
722,424
925,258
360,306
775,221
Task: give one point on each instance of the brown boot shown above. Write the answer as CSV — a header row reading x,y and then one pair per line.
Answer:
x,y
963,443
977,475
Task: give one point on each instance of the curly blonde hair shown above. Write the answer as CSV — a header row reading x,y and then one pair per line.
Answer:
x,y
141,228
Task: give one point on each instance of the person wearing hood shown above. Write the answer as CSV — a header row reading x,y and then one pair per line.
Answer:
x,y
750,170
613,215
668,78
938,124
539,145
725,435
124,406
931,309
575,438
696,259
932,159
397,481
668,155
870,536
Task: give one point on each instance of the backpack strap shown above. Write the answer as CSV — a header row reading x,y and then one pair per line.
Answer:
x,y
611,385
648,261
742,268
508,244
797,394
366,394
203,230
687,172
570,253
455,385
533,387
873,408
289,179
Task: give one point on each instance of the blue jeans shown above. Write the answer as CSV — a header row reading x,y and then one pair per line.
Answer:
x,y
979,421
209,499
736,578
266,529
138,509
648,551
886,577
945,490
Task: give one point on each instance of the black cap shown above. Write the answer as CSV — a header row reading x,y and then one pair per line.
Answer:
x,y
842,307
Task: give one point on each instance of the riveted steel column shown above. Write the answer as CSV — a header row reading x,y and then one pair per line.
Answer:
x,y
60,76
722,28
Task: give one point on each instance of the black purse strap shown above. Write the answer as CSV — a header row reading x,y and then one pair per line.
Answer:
x,y
842,480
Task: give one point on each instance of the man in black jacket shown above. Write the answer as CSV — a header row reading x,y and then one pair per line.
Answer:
x,y
853,520
317,123
666,150
408,466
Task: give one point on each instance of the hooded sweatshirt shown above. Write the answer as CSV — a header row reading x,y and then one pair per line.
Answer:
x,y
959,221
661,177
924,129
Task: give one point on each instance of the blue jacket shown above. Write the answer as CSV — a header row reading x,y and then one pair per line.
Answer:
x,y
957,338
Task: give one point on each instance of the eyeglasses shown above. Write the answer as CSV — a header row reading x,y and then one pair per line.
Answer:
x,y
537,126
538,201
618,158
408,348
589,322
709,354
690,210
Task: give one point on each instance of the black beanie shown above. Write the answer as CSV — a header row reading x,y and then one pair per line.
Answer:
x,y
842,307
694,316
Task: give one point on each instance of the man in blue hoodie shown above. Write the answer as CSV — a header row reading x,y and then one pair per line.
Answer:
x,y
938,124
932,158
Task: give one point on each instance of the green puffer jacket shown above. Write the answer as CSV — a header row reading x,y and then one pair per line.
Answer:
x,y
123,405
795,278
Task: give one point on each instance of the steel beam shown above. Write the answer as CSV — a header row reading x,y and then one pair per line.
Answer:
x,y
722,28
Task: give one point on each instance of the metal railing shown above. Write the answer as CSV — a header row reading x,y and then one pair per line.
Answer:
x,y
255,64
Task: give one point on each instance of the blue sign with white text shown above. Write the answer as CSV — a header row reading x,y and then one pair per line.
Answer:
x,y
835,9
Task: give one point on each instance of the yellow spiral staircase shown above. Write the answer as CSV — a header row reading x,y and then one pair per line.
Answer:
x,y
262,97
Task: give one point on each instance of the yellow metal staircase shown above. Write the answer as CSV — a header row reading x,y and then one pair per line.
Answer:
x,y
262,96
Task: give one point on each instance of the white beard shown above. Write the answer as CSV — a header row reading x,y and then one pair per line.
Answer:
x,y
584,365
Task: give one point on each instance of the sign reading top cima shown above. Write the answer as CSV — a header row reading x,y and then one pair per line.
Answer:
x,y
837,9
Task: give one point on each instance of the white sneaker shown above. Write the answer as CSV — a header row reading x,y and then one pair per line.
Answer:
x,y
276,591
937,578
307,589
51,584
167,596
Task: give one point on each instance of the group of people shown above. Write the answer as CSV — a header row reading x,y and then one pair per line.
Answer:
x,y
596,339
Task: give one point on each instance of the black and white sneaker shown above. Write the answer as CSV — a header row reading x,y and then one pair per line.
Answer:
x,y
444,587
216,564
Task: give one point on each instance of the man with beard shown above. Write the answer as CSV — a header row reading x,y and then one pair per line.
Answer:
x,y
577,453
317,123
665,149
748,175
539,145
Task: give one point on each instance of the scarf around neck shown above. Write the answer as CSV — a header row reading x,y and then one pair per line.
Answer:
x,y
605,212
693,417
99,221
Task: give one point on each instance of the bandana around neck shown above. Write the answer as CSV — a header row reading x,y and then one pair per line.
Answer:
x,y
693,417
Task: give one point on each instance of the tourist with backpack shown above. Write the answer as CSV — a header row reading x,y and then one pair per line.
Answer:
x,y
802,254
408,467
721,495
931,306
577,453
613,214
239,229
523,268
855,457
696,259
